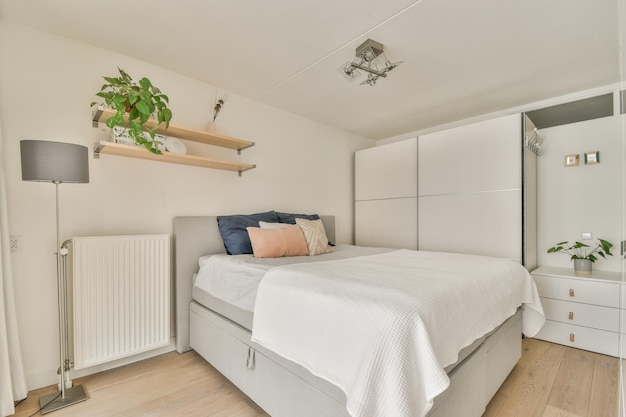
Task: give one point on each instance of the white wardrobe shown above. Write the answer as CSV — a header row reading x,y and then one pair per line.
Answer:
x,y
386,195
466,190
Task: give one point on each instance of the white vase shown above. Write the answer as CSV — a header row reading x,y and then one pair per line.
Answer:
x,y
582,266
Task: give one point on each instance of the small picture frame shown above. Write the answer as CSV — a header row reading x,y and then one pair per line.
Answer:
x,y
572,160
592,157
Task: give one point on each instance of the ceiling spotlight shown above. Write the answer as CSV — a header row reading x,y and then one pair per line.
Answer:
x,y
371,59
349,71
371,80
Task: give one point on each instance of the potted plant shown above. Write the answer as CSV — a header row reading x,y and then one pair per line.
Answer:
x,y
138,102
583,255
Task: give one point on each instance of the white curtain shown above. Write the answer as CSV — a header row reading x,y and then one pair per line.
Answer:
x,y
12,379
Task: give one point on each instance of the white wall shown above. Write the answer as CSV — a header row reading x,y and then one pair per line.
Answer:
x,y
46,85
584,198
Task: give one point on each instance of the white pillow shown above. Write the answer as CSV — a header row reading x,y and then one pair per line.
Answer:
x,y
268,225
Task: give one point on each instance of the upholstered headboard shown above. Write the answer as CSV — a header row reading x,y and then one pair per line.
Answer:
x,y
195,236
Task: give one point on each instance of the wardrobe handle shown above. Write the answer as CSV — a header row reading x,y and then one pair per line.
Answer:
x,y
571,315
571,337
571,292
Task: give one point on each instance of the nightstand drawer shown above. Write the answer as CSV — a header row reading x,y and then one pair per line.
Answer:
x,y
603,318
578,290
580,337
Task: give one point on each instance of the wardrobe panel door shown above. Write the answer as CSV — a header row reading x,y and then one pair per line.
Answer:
x,y
387,171
478,157
480,223
388,223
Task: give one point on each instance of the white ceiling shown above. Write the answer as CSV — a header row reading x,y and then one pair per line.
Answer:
x,y
461,58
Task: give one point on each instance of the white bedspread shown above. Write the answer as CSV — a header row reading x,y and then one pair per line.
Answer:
x,y
384,327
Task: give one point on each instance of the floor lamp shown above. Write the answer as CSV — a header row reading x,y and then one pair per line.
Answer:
x,y
57,163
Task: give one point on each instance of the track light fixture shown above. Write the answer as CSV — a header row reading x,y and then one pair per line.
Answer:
x,y
371,59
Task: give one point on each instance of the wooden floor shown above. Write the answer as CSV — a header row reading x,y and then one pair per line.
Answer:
x,y
549,381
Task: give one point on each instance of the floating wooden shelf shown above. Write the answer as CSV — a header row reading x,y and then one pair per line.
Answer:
x,y
140,152
201,136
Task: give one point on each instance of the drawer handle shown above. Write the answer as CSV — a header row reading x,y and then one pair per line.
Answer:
x,y
571,337
571,292
571,315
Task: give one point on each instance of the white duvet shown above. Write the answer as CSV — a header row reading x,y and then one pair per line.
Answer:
x,y
384,327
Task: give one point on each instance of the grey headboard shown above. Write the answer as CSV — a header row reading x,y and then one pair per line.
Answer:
x,y
195,236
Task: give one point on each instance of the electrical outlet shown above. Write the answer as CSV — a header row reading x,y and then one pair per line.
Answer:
x,y
586,235
15,243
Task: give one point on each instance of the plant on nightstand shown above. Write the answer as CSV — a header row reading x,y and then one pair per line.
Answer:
x,y
139,102
583,255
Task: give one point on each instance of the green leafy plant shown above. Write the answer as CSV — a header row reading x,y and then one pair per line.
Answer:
x,y
139,102
578,250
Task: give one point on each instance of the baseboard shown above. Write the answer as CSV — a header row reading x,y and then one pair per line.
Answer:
x,y
49,377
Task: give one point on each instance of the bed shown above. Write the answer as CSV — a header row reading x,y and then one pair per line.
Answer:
x,y
222,333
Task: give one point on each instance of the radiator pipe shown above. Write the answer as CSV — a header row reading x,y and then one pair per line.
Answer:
x,y
66,343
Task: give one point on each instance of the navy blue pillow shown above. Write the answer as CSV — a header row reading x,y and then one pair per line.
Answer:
x,y
291,218
234,233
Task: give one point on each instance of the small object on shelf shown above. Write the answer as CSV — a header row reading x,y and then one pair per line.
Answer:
x,y
134,104
216,111
122,135
119,134
175,146
218,107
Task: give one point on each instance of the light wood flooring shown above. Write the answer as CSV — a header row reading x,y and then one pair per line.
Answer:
x,y
549,381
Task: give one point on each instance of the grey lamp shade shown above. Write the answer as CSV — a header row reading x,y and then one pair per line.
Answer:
x,y
54,161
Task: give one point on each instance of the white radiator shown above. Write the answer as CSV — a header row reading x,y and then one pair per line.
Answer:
x,y
121,296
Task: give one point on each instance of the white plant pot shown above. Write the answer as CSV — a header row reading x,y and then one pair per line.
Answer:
x,y
582,266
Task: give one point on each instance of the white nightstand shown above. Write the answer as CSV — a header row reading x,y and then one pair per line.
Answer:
x,y
582,311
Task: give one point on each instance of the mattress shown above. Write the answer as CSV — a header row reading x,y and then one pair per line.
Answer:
x,y
227,284
245,319
235,314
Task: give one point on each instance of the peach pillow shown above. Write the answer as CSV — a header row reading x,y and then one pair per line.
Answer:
x,y
276,243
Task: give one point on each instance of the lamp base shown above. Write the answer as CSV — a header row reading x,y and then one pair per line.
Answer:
x,y
48,403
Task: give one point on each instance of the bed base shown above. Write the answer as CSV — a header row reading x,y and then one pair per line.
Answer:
x,y
285,389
